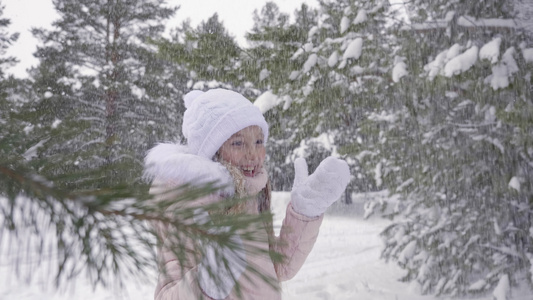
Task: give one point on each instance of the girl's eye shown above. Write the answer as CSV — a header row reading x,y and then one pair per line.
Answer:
x,y
260,142
236,143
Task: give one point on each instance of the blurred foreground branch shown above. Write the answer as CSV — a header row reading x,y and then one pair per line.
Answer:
x,y
106,233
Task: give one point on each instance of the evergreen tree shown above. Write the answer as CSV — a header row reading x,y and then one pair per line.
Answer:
x,y
458,149
341,73
273,40
102,95
12,139
208,55
6,39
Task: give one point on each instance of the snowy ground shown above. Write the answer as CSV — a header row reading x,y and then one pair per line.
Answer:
x,y
344,264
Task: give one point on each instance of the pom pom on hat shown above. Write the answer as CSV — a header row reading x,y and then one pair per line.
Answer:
x,y
212,117
190,96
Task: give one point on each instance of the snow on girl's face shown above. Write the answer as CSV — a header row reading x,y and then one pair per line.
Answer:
x,y
245,150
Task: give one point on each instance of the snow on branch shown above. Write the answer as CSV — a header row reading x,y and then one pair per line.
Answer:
x,y
466,22
469,21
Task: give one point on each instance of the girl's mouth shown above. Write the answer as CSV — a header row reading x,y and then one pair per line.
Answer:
x,y
249,171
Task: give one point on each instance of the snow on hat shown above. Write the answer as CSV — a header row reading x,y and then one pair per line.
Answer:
x,y
212,117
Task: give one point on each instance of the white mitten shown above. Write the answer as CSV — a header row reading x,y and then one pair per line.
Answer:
x,y
312,195
221,267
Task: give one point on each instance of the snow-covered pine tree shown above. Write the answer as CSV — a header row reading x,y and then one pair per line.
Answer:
x,y
341,74
13,141
6,39
462,154
8,128
272,41
209,55
102,97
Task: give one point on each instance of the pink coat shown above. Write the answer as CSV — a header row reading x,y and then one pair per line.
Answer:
x,y
297,237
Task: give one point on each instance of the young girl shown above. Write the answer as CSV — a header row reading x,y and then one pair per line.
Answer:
x,y
226,137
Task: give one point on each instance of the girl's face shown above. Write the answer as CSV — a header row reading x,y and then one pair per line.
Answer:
x,y
245,150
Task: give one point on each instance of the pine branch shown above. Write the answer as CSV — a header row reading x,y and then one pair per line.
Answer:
x,y
108,233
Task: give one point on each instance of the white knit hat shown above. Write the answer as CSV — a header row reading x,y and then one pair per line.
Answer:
x,y
212,117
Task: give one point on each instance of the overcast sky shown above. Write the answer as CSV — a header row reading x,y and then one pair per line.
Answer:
x,y
236,15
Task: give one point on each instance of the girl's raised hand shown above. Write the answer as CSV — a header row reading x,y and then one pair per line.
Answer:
x,y
312,194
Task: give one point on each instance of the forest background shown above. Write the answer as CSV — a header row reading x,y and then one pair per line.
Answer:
x,y
437,111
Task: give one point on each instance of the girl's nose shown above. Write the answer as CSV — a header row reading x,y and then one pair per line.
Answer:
x,y
251,153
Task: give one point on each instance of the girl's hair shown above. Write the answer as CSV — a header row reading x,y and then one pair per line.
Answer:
x,y
264,197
